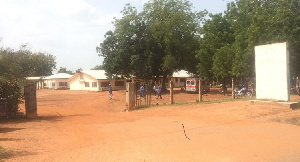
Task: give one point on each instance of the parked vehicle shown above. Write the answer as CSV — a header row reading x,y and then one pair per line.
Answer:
x,y
243,92
192,85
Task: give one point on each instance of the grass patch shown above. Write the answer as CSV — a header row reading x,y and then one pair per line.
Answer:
x,y
295,120
4,154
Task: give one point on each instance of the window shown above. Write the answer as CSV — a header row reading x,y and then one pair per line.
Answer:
x,y
45,84
104,84
53,84
87,84
94,84
182,79
119,83
192,82
188,83
63,84
176,80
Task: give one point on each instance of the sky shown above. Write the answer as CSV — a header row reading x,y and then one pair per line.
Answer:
x,y
69,29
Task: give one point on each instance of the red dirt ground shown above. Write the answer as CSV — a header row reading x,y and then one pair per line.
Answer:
x,y
87,126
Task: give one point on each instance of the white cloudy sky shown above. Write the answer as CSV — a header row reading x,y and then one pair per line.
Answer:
x,y
69,29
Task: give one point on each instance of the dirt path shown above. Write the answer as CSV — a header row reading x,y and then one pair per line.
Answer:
x,y
86,126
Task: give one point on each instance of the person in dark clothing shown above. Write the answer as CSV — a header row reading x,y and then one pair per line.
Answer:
x,y
110,91
158,92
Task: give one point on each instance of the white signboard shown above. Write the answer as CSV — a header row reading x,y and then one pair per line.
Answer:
x,y
272,72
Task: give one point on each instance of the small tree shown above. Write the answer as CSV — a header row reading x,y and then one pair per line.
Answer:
x,y
14,67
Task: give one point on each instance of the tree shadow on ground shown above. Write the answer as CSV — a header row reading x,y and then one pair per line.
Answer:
x,y
6,130
52,118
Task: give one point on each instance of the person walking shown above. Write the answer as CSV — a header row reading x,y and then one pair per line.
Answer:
x,y
154,89
142,91
158,92
110,91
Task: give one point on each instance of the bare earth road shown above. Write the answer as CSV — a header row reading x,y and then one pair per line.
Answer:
x,y
86,126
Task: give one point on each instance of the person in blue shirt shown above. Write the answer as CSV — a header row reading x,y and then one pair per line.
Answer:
x,y
142,91
158,92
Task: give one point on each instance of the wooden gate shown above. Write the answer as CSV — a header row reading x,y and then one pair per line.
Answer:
x,y
146,99
133,98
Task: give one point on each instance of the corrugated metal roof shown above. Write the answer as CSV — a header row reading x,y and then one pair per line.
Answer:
x,y
182,74
98,74
59,76
34,78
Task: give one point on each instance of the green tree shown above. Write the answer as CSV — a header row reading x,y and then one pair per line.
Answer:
x,y
222,63
64,70
216,33
24,63
98,67
155,42
246,24
258,22
15,66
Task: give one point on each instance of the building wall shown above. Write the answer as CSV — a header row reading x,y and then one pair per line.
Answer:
x,y
82,81
48,83
176,81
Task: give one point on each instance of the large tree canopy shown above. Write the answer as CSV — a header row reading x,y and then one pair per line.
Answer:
x,y
166,35
24,63
216,33
246,24
157,41
15,66
64,70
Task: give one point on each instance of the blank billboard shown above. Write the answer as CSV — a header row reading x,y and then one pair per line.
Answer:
x,y
272,72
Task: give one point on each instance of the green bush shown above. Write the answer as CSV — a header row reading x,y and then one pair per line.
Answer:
x,y
12,91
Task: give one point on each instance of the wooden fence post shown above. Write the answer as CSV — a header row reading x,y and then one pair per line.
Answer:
x,y
200,90
232,93
171,93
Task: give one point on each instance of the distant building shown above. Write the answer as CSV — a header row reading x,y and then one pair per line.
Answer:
x,y
178,78
94,80
39,81
57,81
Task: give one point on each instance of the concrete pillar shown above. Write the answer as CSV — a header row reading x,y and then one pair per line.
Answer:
x,y
30,101
232,93
171,92
130,95
200,90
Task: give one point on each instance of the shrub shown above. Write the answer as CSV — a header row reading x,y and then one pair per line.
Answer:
x,y
12,91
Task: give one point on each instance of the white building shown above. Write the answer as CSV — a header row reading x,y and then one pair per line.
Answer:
x,y
94,80
57,81
179,78
39,82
